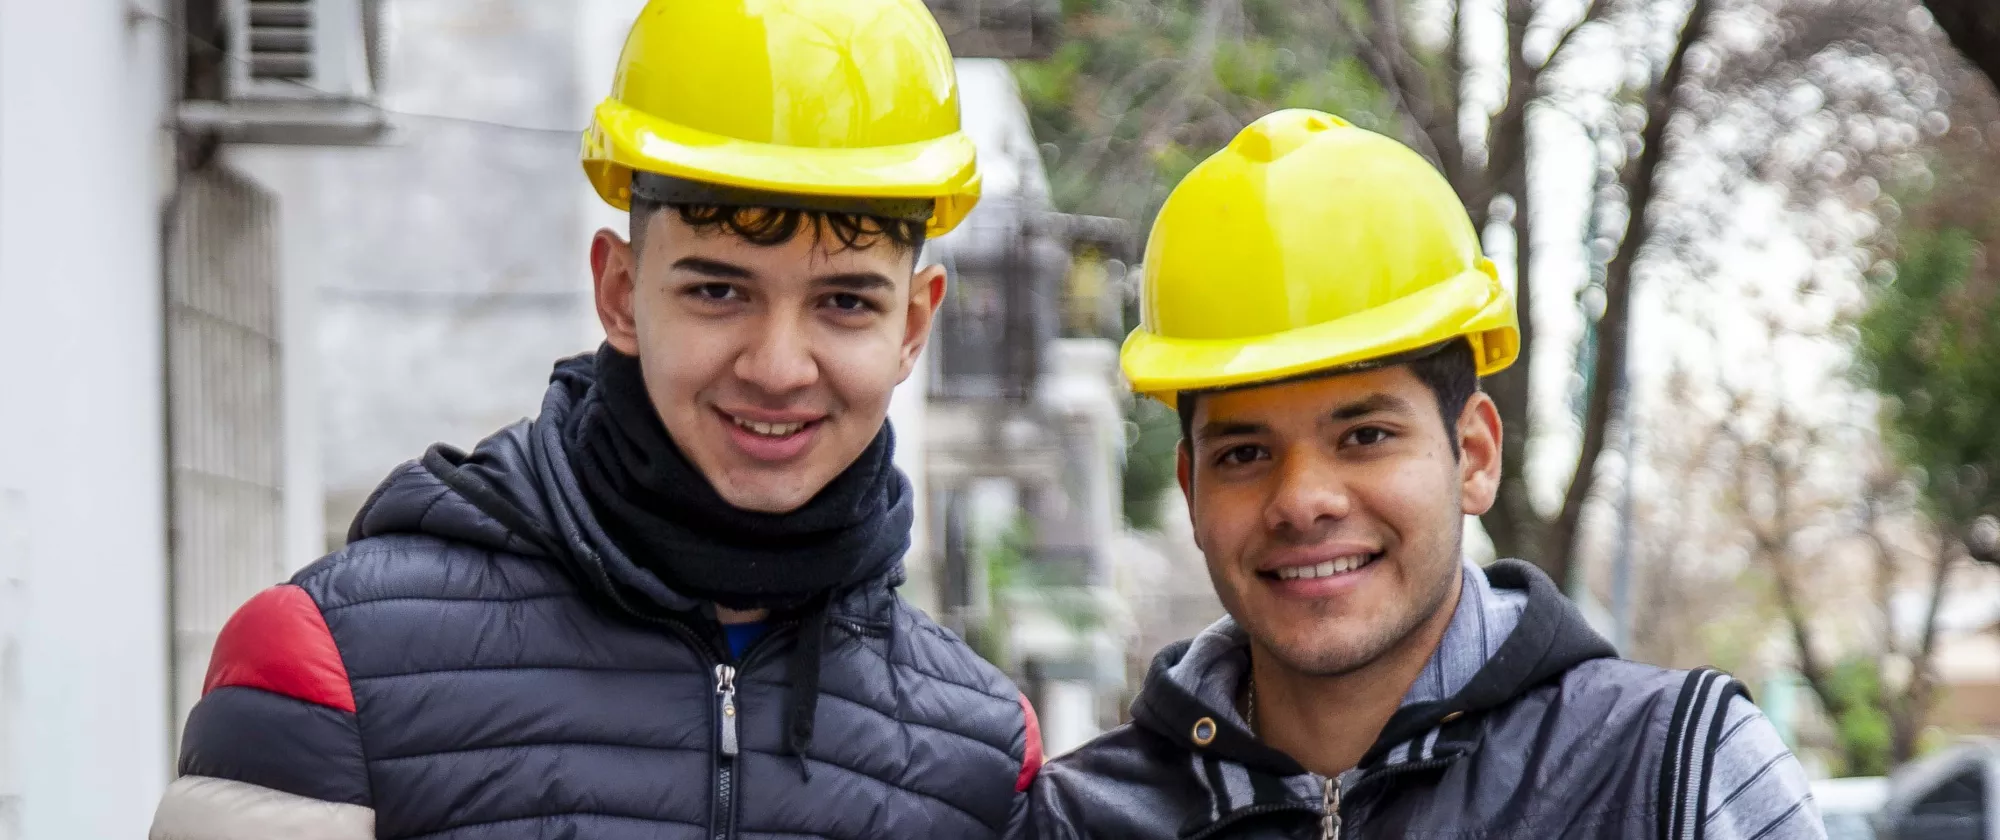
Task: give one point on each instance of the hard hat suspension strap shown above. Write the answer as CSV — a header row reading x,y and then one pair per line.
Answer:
x,y
667,189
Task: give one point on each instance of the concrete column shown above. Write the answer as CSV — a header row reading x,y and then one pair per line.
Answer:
x,y
83,627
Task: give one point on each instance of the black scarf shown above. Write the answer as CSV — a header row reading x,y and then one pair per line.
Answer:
x,y
666,517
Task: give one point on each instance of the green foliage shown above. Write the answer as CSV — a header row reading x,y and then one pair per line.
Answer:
x,y
1006,563
1142,91
1861,725
1014,576
1930,345
1149,461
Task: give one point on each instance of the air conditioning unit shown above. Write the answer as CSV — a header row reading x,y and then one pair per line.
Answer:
x,y
286,71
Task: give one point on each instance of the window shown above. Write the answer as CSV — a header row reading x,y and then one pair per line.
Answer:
x,y
1954,810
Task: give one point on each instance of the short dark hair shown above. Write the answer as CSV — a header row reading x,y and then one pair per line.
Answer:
x,y
777,226
1448,372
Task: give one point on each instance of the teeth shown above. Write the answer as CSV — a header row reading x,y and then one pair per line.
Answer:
x,y
1336,566
769,429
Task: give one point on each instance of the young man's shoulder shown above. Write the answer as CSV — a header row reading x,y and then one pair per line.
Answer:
x,y
1696,731
933,651
1124,754
1126,782
1610,703
382,597
414,568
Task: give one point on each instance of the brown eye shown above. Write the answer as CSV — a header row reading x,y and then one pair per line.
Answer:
x,y
1367,436
713,291
850,303
1238,455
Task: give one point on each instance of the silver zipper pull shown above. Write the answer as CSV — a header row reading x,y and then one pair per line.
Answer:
x,y
1329,803
725,689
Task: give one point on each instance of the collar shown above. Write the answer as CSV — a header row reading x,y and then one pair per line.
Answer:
x,y
1512,631
1485,617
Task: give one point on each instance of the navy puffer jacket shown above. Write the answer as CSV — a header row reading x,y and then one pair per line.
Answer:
x,y
477,663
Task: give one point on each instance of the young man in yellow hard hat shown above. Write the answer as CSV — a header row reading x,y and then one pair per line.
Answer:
x,y
1316,307
666,606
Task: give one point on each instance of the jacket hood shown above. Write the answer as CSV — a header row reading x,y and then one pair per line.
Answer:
x,y
517,492
1199,678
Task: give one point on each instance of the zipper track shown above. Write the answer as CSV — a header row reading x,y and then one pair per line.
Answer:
x,y
728,719
1329,820
724,803
1330,829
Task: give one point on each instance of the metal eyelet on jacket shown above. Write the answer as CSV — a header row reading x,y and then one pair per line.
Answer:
x,y
1204,732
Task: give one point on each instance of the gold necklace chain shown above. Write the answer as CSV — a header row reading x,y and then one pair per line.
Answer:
x,y
1250,707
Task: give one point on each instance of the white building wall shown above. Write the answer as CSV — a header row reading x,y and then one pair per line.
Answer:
x,y
441,274
83,626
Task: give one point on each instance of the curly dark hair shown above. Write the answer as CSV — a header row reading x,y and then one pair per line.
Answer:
x,y
776,226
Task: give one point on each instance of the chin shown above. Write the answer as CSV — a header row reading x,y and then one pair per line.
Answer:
x,y
1315,654
758,501
771,491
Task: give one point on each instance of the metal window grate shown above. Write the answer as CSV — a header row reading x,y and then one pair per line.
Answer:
x,y
225,409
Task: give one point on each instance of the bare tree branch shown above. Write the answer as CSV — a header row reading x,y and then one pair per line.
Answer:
x,y
1596,12
1513,523
1641,183
1453,91
1410,88
1196,73
1884,557
1908,716
1771,542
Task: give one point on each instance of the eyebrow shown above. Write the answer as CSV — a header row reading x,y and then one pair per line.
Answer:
x,y
1371,404
1366,406
857,281
712,268
852,281
1230,428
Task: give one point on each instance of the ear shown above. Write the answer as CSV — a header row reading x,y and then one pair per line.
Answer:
x,y
927,289
1479,439
614,276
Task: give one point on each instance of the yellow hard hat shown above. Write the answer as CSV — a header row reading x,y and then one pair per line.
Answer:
x,y
1306,246
816,98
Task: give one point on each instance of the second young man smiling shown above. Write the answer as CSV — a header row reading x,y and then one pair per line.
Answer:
x,y
1316,308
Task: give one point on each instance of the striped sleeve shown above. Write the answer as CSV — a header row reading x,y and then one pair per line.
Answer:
x,y
273,748
1756,789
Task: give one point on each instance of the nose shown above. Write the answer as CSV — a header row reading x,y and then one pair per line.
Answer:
x,y
778,358
1309,496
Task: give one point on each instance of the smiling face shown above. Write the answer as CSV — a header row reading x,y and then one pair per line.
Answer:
x,y
771,366
1331,511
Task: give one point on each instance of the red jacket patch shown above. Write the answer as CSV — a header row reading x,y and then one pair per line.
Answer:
x,y
278,642
1031,761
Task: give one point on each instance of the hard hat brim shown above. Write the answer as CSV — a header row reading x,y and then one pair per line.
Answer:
x,y
621,139
1471,305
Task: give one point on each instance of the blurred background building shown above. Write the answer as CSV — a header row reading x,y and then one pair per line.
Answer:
x,y
255,253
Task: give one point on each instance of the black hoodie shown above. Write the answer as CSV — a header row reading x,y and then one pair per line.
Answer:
x,y
1552,737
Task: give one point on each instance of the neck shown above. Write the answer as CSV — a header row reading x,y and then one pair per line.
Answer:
x,y
726,615
1327,723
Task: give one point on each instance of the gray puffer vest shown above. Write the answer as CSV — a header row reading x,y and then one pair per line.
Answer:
x,y
1552,738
